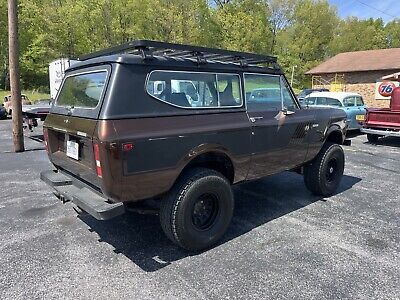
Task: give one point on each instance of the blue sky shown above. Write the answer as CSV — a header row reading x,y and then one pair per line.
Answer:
x,y
356,8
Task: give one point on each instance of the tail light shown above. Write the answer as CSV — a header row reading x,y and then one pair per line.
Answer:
x,y
96,150
46,139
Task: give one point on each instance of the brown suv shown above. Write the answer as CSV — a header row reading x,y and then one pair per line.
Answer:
x,y
181,124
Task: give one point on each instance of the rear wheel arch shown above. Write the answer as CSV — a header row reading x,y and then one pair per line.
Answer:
x,y
213,160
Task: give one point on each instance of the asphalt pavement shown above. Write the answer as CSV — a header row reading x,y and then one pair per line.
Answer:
x,y
283,243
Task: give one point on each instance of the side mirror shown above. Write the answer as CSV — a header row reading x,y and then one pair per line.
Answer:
x,y
287,112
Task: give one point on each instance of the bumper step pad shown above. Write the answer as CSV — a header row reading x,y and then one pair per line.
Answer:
x,y
86,199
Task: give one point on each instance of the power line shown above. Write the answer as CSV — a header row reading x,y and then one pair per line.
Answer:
x,y
381,11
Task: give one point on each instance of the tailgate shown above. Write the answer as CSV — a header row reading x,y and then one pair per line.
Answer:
x,y
70,127
63,130
383,119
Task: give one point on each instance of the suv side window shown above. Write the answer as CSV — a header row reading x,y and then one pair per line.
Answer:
x,y
263,92
195,90
228,90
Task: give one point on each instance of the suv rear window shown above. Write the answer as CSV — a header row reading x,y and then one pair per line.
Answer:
x,y
82,90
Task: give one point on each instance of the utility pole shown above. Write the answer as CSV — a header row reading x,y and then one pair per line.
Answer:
x,y
13,53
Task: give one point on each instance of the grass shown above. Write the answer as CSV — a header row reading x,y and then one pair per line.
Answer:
x,y
32,95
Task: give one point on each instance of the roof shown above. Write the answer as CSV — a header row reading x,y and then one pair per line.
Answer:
x,y
335,95
359,61
147,49
175,62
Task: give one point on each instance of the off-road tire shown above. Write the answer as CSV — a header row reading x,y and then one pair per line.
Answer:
x,y
323,174
372,138
178,208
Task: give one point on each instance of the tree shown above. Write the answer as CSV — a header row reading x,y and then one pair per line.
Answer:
x,y
392,32
243,26
281,12
354,34
305,42
3,46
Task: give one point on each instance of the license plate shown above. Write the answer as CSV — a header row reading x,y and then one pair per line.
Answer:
x,y
360,117
73,150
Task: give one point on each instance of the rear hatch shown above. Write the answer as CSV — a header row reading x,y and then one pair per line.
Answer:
x,y
70,128
383,118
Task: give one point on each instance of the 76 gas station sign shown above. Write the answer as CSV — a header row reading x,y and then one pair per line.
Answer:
x,y
384,89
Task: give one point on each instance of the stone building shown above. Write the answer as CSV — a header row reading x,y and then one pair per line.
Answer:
x,y
359,72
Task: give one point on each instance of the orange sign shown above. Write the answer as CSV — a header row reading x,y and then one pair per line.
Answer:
x,y
386,88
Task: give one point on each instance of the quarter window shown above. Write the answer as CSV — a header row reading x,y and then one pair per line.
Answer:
x,y
195,90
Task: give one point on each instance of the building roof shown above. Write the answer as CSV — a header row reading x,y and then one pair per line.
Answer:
x,y
359,61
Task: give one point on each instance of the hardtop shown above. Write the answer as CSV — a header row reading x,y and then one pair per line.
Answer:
x,y
130,64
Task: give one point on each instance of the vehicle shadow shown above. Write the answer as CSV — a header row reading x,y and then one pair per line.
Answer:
x,y
387,141
36,137
141,239
353,134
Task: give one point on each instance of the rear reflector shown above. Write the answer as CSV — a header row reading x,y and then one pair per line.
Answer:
x,y
96,150
46,138
127,147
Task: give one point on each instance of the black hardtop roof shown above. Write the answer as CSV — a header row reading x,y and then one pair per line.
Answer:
x,y
152,52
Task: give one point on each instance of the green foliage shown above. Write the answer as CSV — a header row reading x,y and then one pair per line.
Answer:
x,y
301,33
306,41
392,33
354,35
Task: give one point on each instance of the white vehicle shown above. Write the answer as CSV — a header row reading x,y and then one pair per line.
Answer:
x,y
351,103
56,74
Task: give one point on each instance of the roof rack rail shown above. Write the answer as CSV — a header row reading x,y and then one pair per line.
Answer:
x,y
147,49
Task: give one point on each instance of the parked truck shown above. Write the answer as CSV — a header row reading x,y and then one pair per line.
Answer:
x,y
384,122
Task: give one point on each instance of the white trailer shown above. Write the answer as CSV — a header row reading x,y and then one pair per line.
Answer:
x,y
56,74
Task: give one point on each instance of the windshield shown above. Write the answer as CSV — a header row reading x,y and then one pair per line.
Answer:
x,y
82,90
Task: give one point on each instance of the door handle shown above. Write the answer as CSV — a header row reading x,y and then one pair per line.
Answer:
x,y
254,119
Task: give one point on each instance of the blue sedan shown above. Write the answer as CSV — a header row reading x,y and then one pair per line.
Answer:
x,y
351,103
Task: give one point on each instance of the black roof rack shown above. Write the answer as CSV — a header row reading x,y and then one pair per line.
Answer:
x,y
147,49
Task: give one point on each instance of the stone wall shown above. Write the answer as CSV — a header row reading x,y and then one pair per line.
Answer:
x,y
362,83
